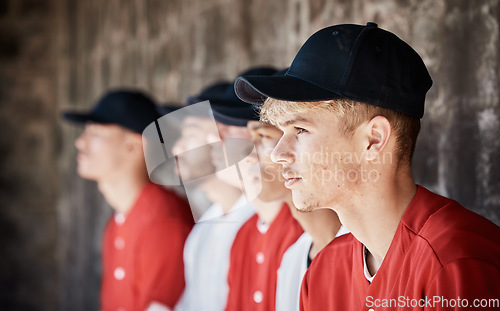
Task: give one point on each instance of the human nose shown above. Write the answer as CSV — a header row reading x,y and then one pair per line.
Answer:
x,y
212,137
222,129
252,157
179,147
282,152
80,142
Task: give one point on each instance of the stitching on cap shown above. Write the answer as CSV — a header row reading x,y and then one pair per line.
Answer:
x,y
350,61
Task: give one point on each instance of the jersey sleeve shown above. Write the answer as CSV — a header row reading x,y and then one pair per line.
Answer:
x,y
465,284
160,263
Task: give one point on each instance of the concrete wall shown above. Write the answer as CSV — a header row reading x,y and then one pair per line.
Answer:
x,y
62,54
30,143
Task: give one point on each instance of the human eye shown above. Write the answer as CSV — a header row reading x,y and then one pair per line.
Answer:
x,y
261,134
266,137
301,130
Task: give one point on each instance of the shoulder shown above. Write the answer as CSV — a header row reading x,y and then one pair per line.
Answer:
x,y
249,228
454,232
332,267
340,244
469,278
337,252
246,235
242,246
164,205
161,195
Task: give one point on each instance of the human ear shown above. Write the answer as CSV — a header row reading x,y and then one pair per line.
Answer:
x,y
378,133
133,142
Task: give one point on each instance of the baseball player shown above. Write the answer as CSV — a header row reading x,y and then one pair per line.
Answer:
x,y
143,241
207,249
350,108
320,227
261,242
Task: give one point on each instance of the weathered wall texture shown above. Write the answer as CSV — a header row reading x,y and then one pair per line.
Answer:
x,y
29,151
63,54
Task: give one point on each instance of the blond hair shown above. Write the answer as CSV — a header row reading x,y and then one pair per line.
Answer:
x,y
352,114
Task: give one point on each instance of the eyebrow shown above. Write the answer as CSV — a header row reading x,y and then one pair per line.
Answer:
x,y
259,126
298,119
191,124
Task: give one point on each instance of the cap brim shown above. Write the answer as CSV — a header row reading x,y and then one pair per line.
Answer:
x,y
256,89
166,109
224,118
80,117
191,100
215,102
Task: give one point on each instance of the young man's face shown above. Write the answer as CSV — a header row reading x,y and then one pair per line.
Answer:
x,y
263,171
101,151
232,150
320,164
193,149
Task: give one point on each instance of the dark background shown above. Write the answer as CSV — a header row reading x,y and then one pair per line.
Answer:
x,y
61,54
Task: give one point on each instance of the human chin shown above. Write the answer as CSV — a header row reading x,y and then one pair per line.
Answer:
x,y
193,168
304,202
272,190
85,172
185,172
229,176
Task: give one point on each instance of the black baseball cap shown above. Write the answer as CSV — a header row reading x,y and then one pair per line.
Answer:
x,y
167,108
212,92
131,109
229,109
361,63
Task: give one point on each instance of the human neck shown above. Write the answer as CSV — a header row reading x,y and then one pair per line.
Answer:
x,y
267,211
374,224
322,225
221,193
121,193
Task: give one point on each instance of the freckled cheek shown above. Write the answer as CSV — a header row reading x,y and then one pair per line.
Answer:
x,y
269,168
308,158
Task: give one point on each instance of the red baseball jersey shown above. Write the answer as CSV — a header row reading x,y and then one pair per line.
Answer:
x,y
142,252
442,257
255,259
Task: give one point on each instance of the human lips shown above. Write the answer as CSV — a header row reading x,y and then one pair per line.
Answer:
x,y
218,159
80,157
289,182
291,179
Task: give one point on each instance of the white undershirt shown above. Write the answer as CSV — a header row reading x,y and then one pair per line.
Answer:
x,y
156,306
261,226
